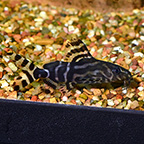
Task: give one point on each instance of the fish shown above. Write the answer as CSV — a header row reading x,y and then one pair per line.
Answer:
x,y
78,69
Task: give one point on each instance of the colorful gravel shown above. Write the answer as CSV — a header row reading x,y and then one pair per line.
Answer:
x,y
38,33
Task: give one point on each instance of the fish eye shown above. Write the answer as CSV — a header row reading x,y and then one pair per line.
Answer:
x,y
116,70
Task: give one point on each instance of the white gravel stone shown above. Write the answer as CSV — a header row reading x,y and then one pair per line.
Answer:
x,y
32,27
38,20
137,71
140,88
64,98
105,42
78,102
66,24
128,105
38,47
142,38
43,14
128,61
100,50
124,91
113,59
135,11
76,31
50,26
78,92
70,22
6,8
3,83
91,34
53,30
121,51
117,48
110,102
92,50
95,98
102,32
25,40
71,28
139,54
130,69
135,42
1,69
7,40
6,59
142,23
113,39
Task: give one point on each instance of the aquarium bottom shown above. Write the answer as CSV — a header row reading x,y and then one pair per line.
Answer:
x,y
24,122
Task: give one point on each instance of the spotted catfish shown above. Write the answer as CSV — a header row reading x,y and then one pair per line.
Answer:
x,y
79,69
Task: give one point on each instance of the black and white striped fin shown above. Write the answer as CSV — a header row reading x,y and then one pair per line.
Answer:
x,y
21,82
29,71
77,50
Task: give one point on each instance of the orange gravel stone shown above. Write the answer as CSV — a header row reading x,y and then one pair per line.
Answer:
x,y
34,98
118,96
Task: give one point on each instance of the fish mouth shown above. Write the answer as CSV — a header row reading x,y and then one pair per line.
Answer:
x,y
128,79
127,74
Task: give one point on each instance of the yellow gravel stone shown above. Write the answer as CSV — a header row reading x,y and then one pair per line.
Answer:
x,y
41,96
12,95
134,104
96,92
87,91
53,100
141,93
12,66
44,41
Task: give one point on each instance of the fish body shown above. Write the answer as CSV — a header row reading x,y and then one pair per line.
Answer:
x,y
79,68
87,71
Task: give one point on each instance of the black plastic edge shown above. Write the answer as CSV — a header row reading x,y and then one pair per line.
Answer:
x,y
24,122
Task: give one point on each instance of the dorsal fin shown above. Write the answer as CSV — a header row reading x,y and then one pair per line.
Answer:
x,y
76,50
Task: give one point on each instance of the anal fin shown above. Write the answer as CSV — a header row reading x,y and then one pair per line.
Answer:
x,y
50,82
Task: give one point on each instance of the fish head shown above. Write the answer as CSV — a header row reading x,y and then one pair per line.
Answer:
x,y
120,74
